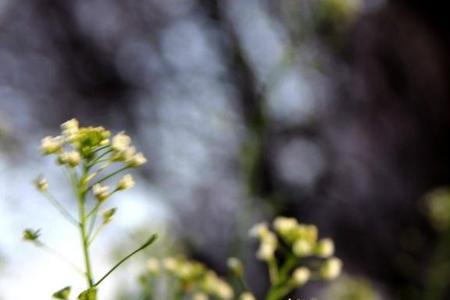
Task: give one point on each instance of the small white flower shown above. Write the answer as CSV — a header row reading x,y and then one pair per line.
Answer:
x,y
331,268
302,248
284,225
70,128
170,264
125,183
50,145
101,192
325,248
223,290
301,276
259,230
121,142
71,158
137,160
41,184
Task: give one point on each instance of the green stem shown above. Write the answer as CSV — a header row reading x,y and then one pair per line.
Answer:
x,y
60,208
107,177
85,241
52,251
152,238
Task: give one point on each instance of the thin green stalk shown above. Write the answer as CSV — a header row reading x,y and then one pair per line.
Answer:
x,y
52,251
152,238
60,208
107,177
85,241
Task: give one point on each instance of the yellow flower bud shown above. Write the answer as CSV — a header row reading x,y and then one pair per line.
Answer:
x,y
223,290
301,276
125,183
302,248
331,268
325,248
284,225
266,251
170,264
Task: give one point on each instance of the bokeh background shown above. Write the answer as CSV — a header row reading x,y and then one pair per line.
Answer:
x,y
335,112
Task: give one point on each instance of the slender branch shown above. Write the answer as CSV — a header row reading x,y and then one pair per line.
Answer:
x,y
107,177
152,238
52,251
60,208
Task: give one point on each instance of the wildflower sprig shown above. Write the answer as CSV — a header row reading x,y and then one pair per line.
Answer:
x,y
293,252
90,157
294,255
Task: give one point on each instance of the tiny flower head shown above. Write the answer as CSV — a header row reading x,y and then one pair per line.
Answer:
x,y
301,276
71,158
153,265
331,268
235,265
121,142
50,145
137,160
284,225
125,183
247,296
266,251
259,230
101,192
41,183
223,290
302,247
70,129
325,248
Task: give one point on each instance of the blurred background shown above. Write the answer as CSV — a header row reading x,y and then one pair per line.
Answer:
x,y
335,112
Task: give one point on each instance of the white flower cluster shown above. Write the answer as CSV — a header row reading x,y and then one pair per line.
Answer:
x,y
302,241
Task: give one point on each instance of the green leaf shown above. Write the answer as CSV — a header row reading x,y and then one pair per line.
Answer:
x,y
63,293
90,294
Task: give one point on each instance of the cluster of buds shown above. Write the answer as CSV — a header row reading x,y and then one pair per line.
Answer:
x,y
299,242
194,278
76,143
94,149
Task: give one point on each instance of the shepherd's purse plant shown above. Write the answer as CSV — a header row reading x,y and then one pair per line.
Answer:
x,y
90,157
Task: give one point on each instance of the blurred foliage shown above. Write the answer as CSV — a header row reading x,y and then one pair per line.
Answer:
x,y
351,288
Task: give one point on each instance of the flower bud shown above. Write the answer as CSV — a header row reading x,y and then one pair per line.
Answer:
x,y
121,142
41,184
302,248
71,158
247,296
50,145
259,230
301,276
325,248
331,268
137,160
125,183
101,192
235,265
284,226
170,264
